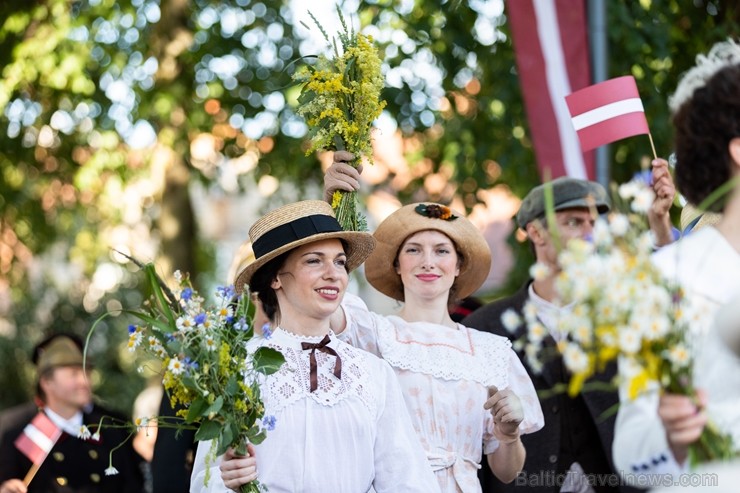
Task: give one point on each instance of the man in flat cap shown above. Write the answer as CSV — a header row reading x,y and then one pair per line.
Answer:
x,y
572,453
78,460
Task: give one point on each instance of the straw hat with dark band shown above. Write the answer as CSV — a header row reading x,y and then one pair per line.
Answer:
x,y
297,224
390,235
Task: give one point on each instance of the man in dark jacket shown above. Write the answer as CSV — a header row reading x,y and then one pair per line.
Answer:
x,y
80,460
573,451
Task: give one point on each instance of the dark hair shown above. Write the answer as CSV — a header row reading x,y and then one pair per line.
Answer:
x,y
261,282
705,125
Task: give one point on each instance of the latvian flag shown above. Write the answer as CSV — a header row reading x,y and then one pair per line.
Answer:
x,y
607,112
38,438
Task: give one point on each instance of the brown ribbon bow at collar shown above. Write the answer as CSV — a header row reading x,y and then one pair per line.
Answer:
x,y
324,348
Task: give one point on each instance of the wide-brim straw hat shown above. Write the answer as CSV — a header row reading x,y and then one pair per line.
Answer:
x,y
293,225
693,219
476,255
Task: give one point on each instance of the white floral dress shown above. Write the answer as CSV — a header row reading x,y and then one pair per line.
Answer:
x,y
444,375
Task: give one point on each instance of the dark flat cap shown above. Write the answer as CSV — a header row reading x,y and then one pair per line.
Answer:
x,y
567,193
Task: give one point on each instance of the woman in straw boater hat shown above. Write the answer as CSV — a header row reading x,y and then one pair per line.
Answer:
x,y
467,392
340,420
653,433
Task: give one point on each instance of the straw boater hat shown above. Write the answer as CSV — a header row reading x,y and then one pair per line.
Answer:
x,y
297,224
693,219
476,255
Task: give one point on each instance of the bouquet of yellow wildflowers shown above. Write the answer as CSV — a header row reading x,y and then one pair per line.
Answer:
x,y
209,371
340,100
622,309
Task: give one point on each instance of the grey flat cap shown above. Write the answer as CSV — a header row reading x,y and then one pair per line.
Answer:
x,y
567,193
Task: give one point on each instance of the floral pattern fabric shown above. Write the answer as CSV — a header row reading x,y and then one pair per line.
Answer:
x,y
445,374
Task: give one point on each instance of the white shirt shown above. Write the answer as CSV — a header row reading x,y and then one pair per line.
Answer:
x,y
549,313
349,435
70,426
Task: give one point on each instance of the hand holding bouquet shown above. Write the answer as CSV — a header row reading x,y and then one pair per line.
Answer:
x,y
621,308
340,100
210,372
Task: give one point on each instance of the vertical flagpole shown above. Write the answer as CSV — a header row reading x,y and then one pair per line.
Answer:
x,y
599,66
655,154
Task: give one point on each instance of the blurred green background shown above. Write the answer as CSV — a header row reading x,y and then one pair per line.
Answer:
x,y
133,124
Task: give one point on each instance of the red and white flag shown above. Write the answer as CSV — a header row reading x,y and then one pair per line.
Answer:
x,y
606,112
38,438
551,47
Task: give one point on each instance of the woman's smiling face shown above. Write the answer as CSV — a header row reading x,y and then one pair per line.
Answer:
x,y
312,281
428,264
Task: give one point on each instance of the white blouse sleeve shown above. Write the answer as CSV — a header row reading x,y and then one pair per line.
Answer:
x,y
522,386
400,460
200,472
640,447
361,330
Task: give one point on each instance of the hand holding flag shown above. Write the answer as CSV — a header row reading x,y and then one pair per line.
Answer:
x,y
38,438
607,112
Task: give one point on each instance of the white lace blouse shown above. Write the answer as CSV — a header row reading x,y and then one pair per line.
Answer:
x,y
351,434
444,375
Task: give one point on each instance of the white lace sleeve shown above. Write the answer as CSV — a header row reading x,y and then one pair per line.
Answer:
x,y
361,330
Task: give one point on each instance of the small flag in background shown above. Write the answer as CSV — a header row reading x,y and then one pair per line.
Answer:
x,y
606,112
38,438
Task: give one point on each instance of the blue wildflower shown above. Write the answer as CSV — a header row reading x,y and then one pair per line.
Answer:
x,y
187,293
131,329
241,325
268,422
190,364
225,292
645,176
200,318
230,319
266,331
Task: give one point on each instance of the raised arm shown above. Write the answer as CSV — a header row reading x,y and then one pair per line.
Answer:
x,y
659,216
341,175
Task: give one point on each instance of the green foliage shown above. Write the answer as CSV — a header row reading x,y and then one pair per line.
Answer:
x,y
77,76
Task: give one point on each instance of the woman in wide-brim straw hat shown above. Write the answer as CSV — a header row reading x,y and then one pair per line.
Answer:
x,y
340,423
467,392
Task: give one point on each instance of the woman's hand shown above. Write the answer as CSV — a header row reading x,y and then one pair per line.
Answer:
x,y
507,412
238,470
341,175
683,420
659,216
